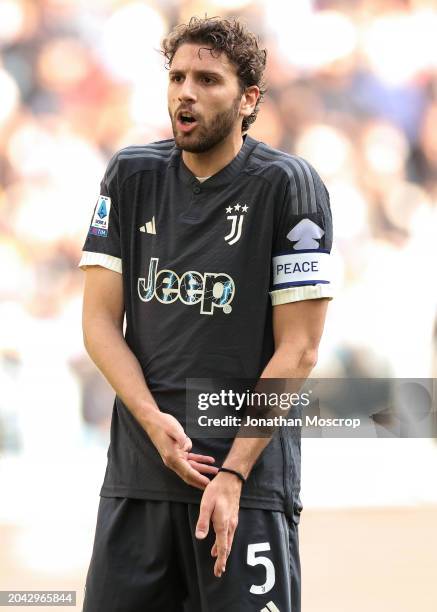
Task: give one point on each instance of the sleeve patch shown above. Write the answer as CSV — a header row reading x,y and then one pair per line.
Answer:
x,y
100,223
306,235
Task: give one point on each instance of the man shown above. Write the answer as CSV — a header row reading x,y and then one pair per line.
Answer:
x,y
181,241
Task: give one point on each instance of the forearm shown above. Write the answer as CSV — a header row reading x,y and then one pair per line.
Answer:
x,y
285,363
108,349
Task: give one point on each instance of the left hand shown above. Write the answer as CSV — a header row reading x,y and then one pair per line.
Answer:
x,y
220,504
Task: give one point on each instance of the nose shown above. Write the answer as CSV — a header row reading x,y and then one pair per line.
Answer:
x,y
186,91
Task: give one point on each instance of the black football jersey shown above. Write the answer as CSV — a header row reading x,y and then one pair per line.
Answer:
x,y
203,264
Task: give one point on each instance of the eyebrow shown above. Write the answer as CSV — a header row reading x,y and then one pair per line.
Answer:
x,y
197,72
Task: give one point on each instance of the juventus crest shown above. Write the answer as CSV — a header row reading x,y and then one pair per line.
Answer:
x,y
236,222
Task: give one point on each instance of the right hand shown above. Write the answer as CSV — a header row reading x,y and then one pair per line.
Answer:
x,y
174,446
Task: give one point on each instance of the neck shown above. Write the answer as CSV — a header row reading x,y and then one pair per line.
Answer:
x,y
212,161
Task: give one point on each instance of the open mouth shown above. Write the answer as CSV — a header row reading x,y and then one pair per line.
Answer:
x,y
186,122
187,118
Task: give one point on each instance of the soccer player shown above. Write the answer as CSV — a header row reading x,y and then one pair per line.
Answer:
x,y
215,247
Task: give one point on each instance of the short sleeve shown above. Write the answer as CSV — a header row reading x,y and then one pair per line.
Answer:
x,y
102,244
301,260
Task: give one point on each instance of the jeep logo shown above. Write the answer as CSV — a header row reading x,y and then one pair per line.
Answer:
x,y
210,290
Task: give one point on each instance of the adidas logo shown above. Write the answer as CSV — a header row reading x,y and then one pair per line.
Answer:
x,y
270,607
149,227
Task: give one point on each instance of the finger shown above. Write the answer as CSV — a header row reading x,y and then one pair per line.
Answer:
x,y
214,550
176,431
222,548
187,444
180,437
202,526
201,458
191,476
202,468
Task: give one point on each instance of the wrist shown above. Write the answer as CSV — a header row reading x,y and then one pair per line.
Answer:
x,y
233,473
229,481
240,468
148,414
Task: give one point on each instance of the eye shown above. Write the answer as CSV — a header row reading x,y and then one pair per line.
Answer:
x,y
208,80
175,77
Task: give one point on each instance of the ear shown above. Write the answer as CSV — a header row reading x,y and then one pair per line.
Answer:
x,y
249,99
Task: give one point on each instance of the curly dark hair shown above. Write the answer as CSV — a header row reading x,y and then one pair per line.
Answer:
x,y
230,37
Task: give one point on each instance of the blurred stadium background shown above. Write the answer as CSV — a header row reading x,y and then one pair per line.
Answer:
x,y
352,88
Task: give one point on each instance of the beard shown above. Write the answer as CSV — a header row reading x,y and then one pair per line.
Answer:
x,y
205,138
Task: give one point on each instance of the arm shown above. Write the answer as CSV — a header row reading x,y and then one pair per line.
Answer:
x,y
297,328
102,323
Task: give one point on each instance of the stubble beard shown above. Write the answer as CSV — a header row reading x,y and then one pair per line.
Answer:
x,y
206,138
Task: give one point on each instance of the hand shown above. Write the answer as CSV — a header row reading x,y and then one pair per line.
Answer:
x,y
173,445
220,504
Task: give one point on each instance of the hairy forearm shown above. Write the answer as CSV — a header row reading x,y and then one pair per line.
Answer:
x,y
288,363
106,346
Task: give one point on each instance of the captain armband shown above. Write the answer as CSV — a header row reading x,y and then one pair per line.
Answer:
x,y
309,267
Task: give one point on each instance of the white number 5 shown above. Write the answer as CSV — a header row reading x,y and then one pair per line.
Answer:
x,y
252,559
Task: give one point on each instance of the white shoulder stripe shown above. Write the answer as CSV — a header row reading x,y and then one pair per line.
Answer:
x,y
90,258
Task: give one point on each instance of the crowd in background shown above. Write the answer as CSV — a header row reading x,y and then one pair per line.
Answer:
x,y
352,87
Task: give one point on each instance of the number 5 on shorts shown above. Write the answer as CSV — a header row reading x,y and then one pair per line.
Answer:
x,y
252,559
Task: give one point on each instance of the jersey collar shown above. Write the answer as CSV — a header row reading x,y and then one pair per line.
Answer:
x,y
223,176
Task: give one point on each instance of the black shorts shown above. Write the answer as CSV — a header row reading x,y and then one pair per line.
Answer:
x,y
146,558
